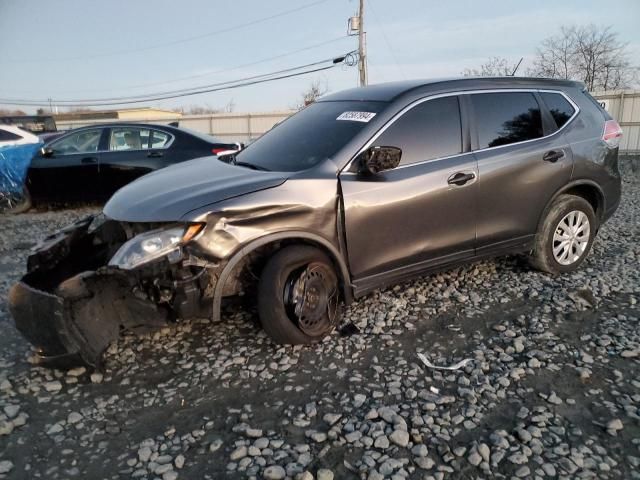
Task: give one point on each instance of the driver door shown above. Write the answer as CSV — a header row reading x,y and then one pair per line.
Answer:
x,y
405,220
71,170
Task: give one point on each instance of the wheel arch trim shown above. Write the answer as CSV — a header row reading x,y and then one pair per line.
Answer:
x,y
565,188
237,257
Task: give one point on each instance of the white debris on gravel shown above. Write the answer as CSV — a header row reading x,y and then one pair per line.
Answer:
x,y
551,388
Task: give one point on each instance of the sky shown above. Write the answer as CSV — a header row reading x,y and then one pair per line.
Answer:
x,y
77,49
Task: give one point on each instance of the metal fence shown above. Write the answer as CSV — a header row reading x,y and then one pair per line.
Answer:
x,y
232,127
624,106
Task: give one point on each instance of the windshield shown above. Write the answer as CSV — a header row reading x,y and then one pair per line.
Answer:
x,y
312,135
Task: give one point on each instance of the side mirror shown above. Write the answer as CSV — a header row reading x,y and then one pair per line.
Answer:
x,y
379,159
46,152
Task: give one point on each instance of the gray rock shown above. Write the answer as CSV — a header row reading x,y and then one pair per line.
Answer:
x,y
324,474
274,472
54,386
615,425
5,466
144,454
215,445
381,442
238,453
400,438
331,418
475,459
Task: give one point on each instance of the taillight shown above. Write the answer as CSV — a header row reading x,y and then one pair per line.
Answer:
x,y
612,133
216,151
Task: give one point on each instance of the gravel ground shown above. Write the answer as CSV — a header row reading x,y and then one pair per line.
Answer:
x,y
551,388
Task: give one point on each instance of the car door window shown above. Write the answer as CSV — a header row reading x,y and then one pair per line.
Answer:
x,y
505,118
431,129
559,107
129,138
159,139
85,141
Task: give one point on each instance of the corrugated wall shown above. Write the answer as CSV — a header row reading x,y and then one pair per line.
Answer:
x,y
232,127
624,106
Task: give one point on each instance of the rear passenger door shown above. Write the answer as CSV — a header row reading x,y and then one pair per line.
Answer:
x,y
522,161
132,152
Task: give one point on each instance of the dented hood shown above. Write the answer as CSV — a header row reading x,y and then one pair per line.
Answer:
x,y
170,193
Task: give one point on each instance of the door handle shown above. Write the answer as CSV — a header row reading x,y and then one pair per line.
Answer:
x,y
154,154
89,160
553,156
460,178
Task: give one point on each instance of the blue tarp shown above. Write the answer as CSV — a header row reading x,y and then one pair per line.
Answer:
x,y
14,163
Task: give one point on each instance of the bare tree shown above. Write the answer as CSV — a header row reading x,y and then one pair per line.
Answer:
x,y
494,67
315,91
591,54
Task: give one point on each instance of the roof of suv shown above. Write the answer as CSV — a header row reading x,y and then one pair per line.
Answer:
x,y
386,92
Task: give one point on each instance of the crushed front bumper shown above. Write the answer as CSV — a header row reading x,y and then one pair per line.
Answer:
x,y
71,307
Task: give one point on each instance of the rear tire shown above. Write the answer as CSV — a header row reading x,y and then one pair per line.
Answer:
x,y
298,296
565,236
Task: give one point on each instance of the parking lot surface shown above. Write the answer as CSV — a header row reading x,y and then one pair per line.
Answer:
x,y
551,388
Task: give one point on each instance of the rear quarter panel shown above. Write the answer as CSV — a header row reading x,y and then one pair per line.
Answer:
x,y
594,160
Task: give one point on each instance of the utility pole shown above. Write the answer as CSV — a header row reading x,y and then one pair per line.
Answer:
x,y
362,60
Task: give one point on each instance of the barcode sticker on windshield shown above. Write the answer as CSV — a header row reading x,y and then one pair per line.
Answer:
x,y
356,116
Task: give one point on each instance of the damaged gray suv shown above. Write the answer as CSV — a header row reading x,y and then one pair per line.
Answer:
x,y
362,189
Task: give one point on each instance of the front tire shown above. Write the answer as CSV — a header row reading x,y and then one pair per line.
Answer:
x,y
566,235
298,296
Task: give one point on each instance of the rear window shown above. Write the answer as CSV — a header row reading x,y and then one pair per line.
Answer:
x,y
312,135
559,107
506,118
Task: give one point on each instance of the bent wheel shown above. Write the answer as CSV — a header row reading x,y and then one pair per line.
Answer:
x,y
298,296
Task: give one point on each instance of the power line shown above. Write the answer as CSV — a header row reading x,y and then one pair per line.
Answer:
x,y
237,67
174,42
227,86
180,90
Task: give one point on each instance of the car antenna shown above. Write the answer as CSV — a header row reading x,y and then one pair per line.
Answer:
x,y
516,69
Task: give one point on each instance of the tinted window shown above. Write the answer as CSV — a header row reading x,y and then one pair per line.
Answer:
x,y
129,138
429,130
160,139
84,141
560,109
312,135
6,136
504,118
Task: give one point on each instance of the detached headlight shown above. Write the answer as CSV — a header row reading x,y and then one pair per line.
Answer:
x,y
152,245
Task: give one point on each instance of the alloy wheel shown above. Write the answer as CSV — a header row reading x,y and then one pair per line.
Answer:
x,y
571,237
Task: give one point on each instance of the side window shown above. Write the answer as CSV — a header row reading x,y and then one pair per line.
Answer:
x,y
8,136
431,129
159,139
86,141
129,138
561,110
505,118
